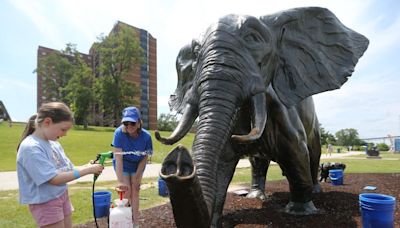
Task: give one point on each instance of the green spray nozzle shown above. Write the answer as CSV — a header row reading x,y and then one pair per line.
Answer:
x,y
101,158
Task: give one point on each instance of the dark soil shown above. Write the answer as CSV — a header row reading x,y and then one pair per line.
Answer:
x,y
338,205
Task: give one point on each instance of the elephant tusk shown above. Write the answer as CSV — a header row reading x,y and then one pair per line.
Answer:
x,y
189,116
259,120
161,139
253,135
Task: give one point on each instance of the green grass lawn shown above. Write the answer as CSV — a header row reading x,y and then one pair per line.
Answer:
x,y
389,163
383,155
80,145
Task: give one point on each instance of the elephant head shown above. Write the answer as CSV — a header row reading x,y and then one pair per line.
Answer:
x,y
299,52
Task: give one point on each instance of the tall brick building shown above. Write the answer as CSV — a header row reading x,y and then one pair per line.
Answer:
x,y
145,78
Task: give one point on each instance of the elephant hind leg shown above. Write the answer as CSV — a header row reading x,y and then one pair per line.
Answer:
x,y
259,168
314,148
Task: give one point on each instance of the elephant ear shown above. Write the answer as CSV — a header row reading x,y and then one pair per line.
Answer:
x,y
185,63
315,51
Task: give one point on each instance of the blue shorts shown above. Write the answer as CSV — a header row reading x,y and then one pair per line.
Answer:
x,y
129,168
127,174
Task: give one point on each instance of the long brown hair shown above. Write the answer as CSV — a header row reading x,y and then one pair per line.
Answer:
x,y
56,111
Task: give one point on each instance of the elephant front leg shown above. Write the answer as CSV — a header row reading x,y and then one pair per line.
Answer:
x,y
294,162
259,168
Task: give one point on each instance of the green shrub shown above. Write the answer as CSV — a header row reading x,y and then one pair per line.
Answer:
x,y
382,147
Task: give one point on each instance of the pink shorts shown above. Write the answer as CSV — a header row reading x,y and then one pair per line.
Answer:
x,y
52,211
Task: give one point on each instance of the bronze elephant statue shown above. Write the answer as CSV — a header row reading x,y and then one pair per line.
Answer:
x,y
249,81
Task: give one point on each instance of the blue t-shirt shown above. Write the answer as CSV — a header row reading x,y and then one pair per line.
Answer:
x,y
38,161
134,149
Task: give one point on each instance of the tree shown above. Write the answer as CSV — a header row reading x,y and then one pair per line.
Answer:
x,y
382,147
116,54
326,137
68,78
348,137
56,70
79,90
167,122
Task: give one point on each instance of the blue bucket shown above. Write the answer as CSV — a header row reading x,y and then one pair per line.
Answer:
x,y
102,201
336,176
162,188
377,210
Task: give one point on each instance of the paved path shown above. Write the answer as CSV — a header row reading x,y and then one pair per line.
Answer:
x,y
9,181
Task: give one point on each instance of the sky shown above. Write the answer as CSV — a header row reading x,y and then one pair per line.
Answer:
x,y
369,102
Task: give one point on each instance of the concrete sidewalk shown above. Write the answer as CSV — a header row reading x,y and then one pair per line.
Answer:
x,y
9,181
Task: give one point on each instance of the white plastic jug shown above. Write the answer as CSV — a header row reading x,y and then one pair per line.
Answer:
x,y
121,216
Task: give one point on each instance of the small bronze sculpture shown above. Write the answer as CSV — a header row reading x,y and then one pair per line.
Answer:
x,y
4,116
326,166
250,81
374,152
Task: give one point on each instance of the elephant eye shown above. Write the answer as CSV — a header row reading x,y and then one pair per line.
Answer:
x,y
253,36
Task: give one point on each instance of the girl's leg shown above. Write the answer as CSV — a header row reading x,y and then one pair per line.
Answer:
x,y
68,222
59,224
135,188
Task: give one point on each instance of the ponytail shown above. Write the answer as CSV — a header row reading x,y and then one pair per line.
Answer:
x,y
29,129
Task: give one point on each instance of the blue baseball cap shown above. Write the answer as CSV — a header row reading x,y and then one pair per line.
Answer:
x,y
130,114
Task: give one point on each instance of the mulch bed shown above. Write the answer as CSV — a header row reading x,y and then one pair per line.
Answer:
x,y
338,205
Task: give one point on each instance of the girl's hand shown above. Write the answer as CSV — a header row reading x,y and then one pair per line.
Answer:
x,y
121,187
95,168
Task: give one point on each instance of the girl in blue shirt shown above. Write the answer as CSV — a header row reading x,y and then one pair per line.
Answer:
x,y
132,146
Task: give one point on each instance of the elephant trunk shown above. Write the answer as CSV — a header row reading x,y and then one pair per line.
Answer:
x,y
217,114
188,204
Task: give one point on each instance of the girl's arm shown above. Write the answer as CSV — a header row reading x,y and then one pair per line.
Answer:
x,y
118,163
143,162
141,166
118,169
139,172
68,176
